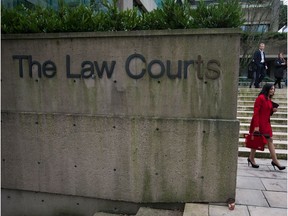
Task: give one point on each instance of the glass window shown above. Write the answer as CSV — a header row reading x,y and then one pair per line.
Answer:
x,y
255,28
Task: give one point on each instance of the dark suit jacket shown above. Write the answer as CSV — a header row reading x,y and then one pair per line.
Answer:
x,y
257,57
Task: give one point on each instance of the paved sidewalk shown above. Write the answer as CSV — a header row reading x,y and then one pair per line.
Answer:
x,y
259,192
262,190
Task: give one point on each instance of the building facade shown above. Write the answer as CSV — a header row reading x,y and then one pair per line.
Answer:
x,y
144,5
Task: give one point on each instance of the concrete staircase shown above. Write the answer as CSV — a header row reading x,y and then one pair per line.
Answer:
x,y
246,98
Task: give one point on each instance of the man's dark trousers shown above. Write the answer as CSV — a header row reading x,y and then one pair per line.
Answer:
x,y
260,74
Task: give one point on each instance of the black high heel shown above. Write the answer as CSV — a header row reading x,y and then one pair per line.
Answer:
x,y
279,167
253,165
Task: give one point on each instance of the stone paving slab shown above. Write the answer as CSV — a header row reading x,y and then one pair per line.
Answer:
x,y
250,197
276,169
264,211
261,167
275,184
250,183
245,172
276,199
192,209
157,212
223,211
107,214
260,161
262,173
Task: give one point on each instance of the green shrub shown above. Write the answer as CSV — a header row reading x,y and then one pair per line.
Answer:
x,y
177,16
225,14
153,20
76,19
262,36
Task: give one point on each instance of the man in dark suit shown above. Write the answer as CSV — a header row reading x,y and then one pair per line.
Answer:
x,y
260,60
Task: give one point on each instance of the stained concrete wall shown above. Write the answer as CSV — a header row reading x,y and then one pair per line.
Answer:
x,y
166,136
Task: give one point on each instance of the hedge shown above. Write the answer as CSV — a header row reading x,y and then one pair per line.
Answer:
x,y
171,15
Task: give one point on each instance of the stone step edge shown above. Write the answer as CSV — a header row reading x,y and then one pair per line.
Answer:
x,y
273,126
272,119
251,109
256,93
249,98
246,106
107,214
145,211
251,103
251,112
195,209
245,88
266,150
280,142
274,133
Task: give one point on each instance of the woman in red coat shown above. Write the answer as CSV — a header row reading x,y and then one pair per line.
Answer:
x,y
263,109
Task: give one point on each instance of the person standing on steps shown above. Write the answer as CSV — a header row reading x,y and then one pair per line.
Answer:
x,y
263,109
280,65
260,60
252,68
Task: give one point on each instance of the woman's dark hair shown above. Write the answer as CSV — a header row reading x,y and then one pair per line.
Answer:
x,y
265,90
279,54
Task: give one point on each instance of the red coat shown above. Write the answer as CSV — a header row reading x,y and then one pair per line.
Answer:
x,y
261,117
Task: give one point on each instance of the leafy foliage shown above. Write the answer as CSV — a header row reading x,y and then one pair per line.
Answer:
x,y
223,15
282,16
108,17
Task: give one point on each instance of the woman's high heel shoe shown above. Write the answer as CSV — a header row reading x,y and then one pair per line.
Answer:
x,y
253,165
279,167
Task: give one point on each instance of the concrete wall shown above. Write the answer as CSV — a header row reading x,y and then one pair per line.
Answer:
x,y
170,135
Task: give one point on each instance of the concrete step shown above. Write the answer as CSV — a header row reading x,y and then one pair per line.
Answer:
x,y
244,113
275,121
275,128
157,212
244,152
254,90
282,103
279,144
246,84
252,96
281,109
246,100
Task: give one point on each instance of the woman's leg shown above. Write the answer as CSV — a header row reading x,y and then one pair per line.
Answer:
x,y
252,155
276,82
279,83
271,148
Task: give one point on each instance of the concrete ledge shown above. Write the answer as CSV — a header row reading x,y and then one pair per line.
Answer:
x,y
105,214
141,33
157,212
196,209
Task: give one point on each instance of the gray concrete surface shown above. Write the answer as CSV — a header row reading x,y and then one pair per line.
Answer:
x,y
157,212
260,192
79,119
